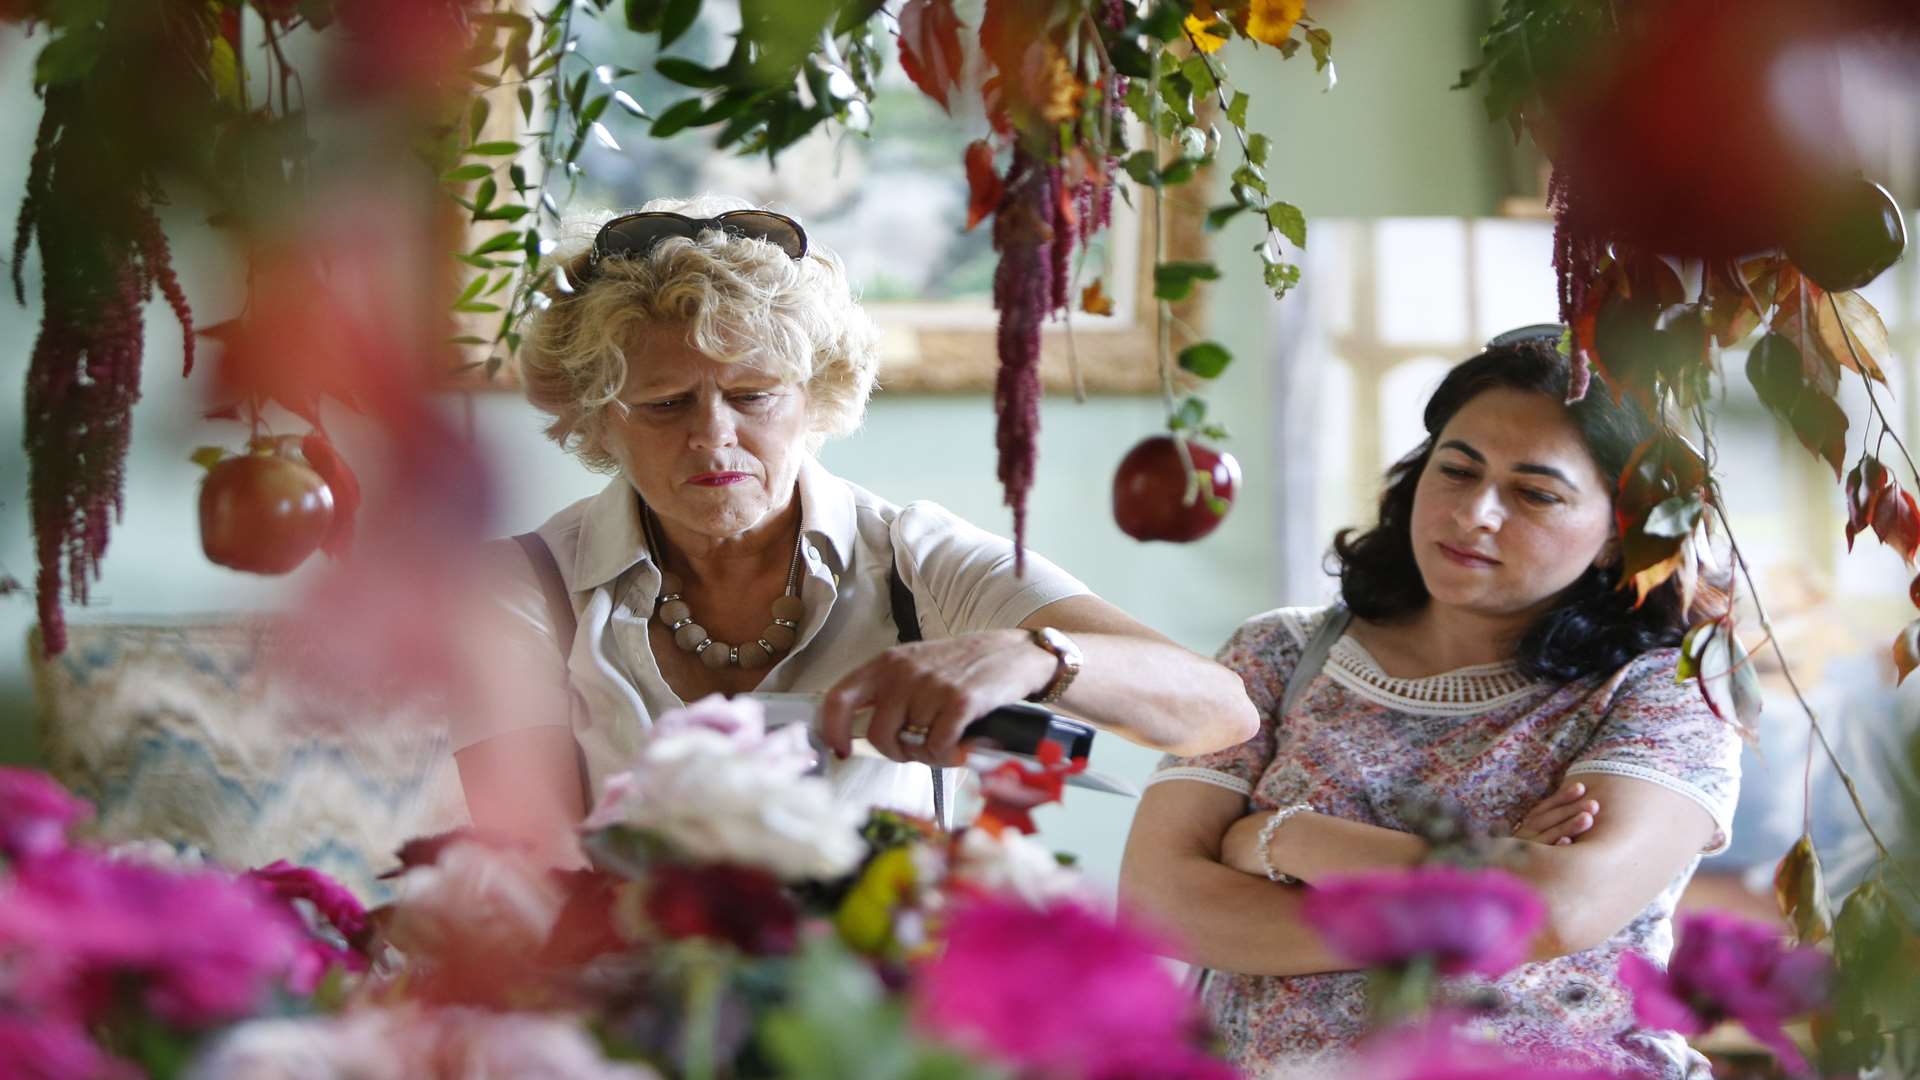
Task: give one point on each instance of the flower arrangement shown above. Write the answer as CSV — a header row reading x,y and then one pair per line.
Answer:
x,y
777,935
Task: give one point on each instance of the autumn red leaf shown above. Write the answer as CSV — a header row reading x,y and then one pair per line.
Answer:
x,y
930,50
984,186
1896,521
1866,484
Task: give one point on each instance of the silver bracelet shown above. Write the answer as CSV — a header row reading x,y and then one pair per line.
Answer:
x,y
1266,842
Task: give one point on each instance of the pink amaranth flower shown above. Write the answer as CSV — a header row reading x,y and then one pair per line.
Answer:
x,y
1462,920
195,948
1726,967
1060,990
35,814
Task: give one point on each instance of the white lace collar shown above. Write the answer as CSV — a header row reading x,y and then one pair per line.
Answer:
x,y
1460,692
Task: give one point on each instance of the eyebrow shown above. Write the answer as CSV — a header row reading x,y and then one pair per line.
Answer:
x,y
1523,467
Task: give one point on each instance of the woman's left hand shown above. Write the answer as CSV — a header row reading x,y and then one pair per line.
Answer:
x,y
933,688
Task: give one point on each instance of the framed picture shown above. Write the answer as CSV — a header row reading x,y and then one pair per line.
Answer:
x,y
892,206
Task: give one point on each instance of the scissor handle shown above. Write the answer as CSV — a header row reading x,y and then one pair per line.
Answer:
x,y
1021,729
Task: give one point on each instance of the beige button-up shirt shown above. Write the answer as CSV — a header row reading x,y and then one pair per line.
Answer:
x,y
962,579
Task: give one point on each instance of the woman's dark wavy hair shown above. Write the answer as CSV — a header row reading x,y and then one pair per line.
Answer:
x,y
1595,627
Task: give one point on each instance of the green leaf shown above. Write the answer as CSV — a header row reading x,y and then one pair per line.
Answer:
x,y
483,195
1165,21
1251,176
1197,72
502,148
1189,415
681,115
687,73
1174,280
1218,217
208,456
498,243
476,261
1206,359
464,173
526,104
472,290
1140,166
477,117
1280,277
594,108
474,307
69,57
1258,146
1237,110
507,212
1321,42
1292,224
645,16
1179,172
677,20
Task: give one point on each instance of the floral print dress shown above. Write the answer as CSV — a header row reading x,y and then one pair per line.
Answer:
x,y
1366,746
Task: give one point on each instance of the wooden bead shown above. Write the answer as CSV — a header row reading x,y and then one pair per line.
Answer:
x,y
670,584
753,656
780,637
789,608
716,655
675,610
690,635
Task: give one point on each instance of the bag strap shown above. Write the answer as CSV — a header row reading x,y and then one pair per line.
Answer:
x,y
559,603
906,622
565,625
1314,657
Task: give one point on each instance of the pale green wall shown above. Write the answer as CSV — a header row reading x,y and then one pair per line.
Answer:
x,y
1392,139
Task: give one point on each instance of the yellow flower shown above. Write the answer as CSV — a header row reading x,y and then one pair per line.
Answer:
x,y
865,918
1203,38
1271,21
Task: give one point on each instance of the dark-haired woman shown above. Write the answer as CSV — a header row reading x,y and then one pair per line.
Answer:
x,y
1483,657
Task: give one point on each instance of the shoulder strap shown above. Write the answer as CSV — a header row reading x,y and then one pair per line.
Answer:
x,y
906,622
1315,655
565,623
559,604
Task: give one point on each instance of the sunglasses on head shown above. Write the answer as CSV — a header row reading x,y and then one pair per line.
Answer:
x,y
634,235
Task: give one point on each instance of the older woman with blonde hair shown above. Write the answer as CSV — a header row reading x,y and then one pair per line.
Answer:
x,y
701,351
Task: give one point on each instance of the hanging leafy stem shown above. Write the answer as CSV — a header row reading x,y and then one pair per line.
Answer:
x,y
1652,308
1058,80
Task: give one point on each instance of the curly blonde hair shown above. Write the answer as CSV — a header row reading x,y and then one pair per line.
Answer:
x,y
743,301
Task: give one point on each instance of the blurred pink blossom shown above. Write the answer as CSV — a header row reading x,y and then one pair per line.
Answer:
x,y
1463,920
1726,967
1061,990
195,948
1436,1050
35,814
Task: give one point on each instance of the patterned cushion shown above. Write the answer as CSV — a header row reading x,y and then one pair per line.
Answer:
x,y
194,733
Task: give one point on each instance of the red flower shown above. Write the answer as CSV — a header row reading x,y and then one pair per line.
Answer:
x,y
739,905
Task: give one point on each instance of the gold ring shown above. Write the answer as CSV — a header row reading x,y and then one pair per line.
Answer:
x,y
913,735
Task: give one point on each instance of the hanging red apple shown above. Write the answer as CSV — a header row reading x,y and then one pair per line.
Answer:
x,y
1150,490
264,511
1849,237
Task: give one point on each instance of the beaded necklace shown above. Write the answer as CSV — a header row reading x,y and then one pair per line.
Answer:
x,y
690,636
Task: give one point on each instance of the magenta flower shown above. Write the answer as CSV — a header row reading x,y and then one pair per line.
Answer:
x,y
1726,967
37,1048
1462,920
195,948
35,814
1062,990
333,917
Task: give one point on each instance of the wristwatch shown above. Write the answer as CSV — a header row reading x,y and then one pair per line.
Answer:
x,y
1067,663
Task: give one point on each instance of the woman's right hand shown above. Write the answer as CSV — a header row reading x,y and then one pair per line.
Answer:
x,y
1559,817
